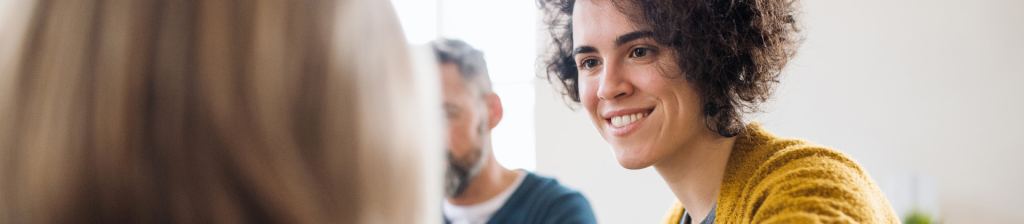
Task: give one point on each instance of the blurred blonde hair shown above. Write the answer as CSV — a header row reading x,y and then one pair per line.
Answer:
x,y
122,111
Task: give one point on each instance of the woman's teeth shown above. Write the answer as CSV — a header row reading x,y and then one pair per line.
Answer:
x,y
622,121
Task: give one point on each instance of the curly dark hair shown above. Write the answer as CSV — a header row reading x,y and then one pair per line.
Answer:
x,y
732,51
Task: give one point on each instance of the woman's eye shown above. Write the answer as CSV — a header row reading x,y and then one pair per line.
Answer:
x,y
589,63
639,52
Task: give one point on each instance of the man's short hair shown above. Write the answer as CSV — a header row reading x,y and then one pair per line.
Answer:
x,y
469,60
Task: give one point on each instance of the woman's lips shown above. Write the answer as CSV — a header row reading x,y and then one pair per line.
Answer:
x,y
624,123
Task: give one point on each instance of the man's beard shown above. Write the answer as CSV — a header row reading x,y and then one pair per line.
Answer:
x,y
460,173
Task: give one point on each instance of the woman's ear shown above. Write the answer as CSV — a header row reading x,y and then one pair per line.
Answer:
x,y
494,110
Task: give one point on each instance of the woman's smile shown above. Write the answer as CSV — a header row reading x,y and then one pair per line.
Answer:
x,y
623,122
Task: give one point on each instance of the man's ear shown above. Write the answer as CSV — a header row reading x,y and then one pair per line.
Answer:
x,y
494,110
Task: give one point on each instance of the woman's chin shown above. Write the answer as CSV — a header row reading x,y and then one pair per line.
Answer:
x,y
633,159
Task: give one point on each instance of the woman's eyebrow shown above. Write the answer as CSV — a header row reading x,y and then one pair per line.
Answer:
x,y
583,50
631,36
622,39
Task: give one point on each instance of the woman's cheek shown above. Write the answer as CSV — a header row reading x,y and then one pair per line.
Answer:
x,y
588,95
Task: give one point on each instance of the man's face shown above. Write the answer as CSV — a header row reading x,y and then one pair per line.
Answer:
x,y
633,91
467,128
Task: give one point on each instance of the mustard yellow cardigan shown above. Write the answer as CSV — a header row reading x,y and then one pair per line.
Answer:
x,y
774,180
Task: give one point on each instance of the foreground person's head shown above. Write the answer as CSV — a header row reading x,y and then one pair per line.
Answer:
x,y
210,112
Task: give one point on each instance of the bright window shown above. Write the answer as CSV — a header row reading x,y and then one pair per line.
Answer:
x,y
506,32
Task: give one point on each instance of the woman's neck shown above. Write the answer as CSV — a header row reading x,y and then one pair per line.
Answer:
x,y
695,172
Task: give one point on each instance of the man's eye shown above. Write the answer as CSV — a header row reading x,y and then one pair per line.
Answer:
x,y
639,52
451,115
450,112
589,63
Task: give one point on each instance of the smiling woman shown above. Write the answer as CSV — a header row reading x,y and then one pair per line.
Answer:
x,y
666,84
732,55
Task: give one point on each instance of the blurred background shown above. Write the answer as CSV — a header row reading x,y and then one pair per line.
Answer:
x,y
926,95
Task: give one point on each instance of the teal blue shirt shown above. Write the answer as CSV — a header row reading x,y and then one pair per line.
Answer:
x,y
543,200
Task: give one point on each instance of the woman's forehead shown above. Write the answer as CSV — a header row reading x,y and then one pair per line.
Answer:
x,y
600,23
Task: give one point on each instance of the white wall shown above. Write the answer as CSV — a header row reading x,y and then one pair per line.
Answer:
x,y
925,90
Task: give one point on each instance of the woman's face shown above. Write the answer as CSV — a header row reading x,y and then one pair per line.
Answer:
x,y
631,87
